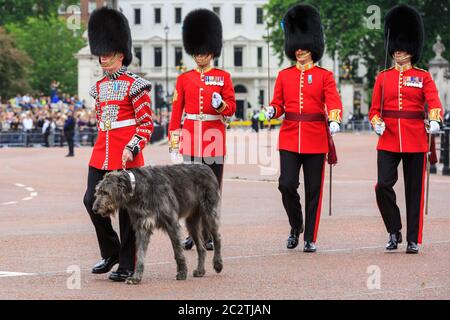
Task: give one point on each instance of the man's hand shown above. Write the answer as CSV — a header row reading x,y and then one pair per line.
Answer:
x,y
216,100
379,128
126,156
434,127
334,128
269,112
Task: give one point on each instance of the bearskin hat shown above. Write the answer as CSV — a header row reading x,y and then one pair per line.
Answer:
x,y
404,25
303,30
202,33
108,32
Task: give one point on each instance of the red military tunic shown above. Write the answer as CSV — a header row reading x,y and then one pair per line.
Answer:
x,y
307,89
121,99
193,95
405,89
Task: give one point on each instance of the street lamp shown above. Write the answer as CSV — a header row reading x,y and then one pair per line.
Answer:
x,y
166,30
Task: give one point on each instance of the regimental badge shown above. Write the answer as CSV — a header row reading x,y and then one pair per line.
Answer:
x,y
310,78
415,82
214,81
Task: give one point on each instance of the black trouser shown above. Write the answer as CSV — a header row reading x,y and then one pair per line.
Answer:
x,y
215,163
108,240
69,138
414,168
288,183
46,139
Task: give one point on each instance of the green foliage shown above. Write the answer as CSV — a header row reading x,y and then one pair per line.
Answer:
x,y
52,46
17,11
13,67
347,33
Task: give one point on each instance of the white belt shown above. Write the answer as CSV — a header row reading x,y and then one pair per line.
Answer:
x,y
203,117
107,125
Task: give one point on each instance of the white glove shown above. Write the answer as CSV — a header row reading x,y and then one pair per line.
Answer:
x,y
269,112
379,128
434,127
334,128
216,100
175,158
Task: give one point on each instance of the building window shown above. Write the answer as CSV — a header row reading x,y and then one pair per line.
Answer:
x,y
259,16
238,15
260,57
177,15
261,98
158,57
238,56
138,54
178,56
137,16
216,10
157,12
216,62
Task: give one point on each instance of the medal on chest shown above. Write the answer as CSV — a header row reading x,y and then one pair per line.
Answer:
x,y
310,78
214,81
414,82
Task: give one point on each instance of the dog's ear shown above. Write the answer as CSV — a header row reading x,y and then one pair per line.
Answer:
x,y
124,182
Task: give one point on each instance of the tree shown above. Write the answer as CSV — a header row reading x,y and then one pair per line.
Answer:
x,y
13,67
52,47
347,32
16,11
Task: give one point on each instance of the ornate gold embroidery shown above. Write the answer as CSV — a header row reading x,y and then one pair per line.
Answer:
x,y
435,114
376,120
175,95
335,115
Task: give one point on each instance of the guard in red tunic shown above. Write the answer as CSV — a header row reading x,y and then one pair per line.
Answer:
x,y
205,96
307,96
124,121
398,115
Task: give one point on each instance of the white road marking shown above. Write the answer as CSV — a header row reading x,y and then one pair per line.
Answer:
x,y
4,274
33,194
273,254
29,189
9,203
27,198
20,185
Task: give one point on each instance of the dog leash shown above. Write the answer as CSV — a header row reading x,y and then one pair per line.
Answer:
x,y
131,176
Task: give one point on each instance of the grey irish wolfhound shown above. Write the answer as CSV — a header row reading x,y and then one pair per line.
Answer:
x,y
161,196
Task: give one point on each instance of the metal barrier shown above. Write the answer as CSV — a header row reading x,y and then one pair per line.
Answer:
x,y
445,151
86,137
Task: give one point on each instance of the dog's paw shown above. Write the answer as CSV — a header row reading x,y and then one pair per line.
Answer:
x,y
182,275
133,280
218,265
198,273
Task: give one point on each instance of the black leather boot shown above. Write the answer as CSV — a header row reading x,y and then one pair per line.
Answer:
x,y
412,248
394,240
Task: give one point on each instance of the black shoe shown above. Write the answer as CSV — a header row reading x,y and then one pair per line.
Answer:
x,y
209,245
70,155
105,265
309,247
120,275
188,243
292,241
394,240
412,248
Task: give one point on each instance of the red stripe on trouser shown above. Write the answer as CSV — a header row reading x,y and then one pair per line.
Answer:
x,y
319,205
422,198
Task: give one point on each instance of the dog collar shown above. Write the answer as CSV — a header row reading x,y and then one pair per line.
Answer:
x,y
132,180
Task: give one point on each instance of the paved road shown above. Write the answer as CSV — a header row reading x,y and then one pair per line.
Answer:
x,y
45,231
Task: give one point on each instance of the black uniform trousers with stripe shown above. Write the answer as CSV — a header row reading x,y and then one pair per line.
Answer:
x,y
414,169
288,183
108,241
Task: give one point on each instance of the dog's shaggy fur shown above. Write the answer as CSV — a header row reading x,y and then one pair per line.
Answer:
x,y
162,196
